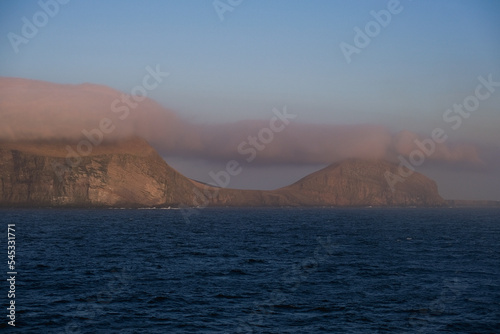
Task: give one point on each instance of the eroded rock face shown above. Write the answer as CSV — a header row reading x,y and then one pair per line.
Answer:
x,y
363,183
129,173
349,183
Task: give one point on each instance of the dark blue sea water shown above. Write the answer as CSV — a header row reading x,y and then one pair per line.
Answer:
x,y
255,271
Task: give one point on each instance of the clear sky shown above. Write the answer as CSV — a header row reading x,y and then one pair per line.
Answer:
x,y
258,54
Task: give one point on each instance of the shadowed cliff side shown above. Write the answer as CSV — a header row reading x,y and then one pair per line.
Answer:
x,y
129,173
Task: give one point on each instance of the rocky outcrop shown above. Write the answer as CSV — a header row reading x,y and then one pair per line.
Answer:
x,y
349,183
363,183
131,174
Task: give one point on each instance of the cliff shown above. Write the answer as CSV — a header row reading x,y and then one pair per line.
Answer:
x,y
349,183
362,183
131,174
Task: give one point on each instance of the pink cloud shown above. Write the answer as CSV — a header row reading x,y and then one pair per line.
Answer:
x,y
39,110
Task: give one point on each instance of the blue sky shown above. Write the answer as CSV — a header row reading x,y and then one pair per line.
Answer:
x,y
267,54
264,53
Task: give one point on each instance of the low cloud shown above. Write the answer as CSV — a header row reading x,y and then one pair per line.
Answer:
x,y
36,110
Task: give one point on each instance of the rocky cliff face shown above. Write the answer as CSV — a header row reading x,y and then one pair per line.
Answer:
x,y
363,183
131,174
349,183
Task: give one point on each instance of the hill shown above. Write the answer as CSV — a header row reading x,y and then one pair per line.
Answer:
x,y
130,173
357,182
352,182
127,173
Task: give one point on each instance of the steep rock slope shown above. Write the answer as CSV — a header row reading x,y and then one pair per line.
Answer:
x,y
362,183
128,173
349,183
131,174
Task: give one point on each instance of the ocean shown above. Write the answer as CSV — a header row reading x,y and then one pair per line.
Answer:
x,y
226,270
